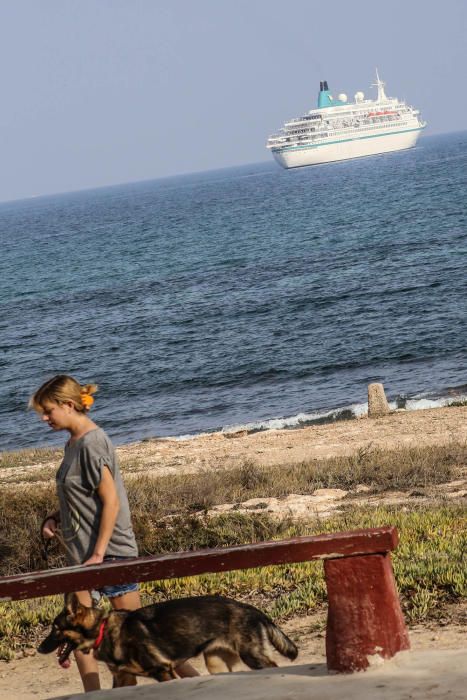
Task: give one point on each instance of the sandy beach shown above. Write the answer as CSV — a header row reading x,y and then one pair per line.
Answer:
x,y
233,349
440,426
161,456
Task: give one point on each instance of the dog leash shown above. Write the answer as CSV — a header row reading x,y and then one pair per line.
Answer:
x,y
61,540
47,542
65,547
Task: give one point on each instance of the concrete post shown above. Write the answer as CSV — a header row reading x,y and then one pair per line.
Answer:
x,y
377,402
364,614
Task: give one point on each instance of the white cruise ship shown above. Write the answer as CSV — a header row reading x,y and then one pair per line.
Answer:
x,y
338,129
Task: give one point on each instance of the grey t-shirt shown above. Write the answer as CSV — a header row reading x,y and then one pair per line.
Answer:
x,y
77,480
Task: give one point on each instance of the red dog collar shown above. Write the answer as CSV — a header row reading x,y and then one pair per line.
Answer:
x,y
100,636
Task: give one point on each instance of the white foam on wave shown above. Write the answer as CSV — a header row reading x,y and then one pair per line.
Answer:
x,y
353,410
188,436
418,404
357,410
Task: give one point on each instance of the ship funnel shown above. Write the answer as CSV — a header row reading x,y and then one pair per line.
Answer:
x,y
324,98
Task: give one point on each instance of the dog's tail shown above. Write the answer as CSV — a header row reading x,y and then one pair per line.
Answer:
x,y
280,641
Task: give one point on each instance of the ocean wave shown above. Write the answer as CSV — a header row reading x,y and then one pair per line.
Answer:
x,y
349,412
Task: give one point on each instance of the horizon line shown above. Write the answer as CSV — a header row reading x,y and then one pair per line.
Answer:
x,y
91,188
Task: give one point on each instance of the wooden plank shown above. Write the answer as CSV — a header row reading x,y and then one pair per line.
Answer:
x,y
297,549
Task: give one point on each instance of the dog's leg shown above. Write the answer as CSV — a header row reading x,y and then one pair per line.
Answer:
x,y
122,679
162,673
256,659
220,660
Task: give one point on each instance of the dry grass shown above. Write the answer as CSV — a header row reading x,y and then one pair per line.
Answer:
x,y
380,470
154,499
24,458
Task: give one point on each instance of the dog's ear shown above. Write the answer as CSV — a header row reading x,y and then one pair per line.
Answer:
x,y
72,603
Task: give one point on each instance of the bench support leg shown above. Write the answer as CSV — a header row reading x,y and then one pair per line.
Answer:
x,y
364,615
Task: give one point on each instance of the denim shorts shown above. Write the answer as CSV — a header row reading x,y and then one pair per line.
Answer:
x,y
120,589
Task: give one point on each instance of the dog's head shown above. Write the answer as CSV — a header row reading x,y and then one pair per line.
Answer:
x,y
76,627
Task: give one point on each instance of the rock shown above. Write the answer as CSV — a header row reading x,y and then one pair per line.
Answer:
x,y
329,494
237,434
295,506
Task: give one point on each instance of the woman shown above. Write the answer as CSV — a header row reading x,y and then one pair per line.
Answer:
x,y
93,514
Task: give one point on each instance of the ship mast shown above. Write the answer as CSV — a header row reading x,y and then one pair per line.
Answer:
x,y
380,85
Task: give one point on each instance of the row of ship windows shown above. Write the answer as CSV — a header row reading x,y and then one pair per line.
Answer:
x,y
324,135
358,115
351,126
368,128
363,127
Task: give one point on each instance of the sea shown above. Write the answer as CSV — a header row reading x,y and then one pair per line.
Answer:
x,y
244,298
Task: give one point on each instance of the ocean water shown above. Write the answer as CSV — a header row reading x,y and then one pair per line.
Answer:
x,y
249,296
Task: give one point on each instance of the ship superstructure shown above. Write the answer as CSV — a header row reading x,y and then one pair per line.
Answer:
x,y
338,129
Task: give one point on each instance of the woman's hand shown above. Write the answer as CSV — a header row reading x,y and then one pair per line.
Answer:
x,y
94,559
49,527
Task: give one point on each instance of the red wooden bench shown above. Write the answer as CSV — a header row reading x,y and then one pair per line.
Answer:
x,y
364,613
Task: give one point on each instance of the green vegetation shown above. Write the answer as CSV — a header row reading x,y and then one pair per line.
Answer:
x,y
430,562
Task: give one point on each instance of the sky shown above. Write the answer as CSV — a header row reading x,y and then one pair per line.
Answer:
x,y
102,92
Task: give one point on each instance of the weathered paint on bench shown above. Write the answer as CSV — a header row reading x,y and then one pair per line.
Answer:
x,y
364,616
364,613
297,549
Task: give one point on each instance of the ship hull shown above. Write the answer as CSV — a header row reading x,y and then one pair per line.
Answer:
x,y
299,156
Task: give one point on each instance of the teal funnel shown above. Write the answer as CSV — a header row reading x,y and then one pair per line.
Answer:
x,y
325,98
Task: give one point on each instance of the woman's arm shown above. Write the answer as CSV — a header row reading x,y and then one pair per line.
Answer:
x,y
110,507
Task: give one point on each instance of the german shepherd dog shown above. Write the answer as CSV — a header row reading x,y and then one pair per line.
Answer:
x,y
154,640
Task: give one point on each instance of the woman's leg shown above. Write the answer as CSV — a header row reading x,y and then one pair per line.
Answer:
x,y
87,664
127,601
132,601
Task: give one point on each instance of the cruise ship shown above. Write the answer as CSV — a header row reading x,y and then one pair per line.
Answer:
x,y
339,129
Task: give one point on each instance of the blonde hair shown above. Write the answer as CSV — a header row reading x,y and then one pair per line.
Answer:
x,y
61,389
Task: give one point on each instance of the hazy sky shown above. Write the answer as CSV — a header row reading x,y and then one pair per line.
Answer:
x,y
99,92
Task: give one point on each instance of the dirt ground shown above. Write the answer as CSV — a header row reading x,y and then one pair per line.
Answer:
x,y
37,677
428,427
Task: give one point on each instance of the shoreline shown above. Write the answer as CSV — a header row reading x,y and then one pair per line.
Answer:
x,y
448,397
173,455
439,426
